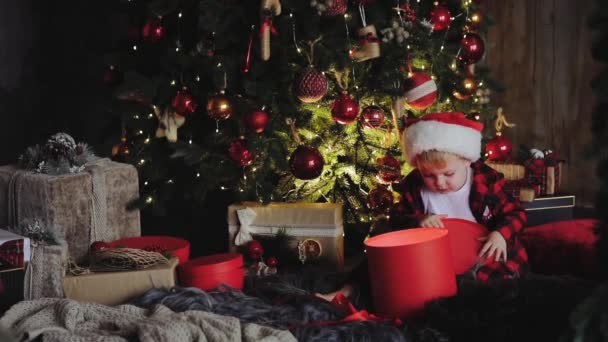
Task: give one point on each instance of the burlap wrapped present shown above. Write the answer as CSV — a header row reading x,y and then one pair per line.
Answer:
x,y
511,171
86,206
113,288
317,228
45,271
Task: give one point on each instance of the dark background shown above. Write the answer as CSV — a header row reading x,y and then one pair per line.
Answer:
x,y
51,70
52,64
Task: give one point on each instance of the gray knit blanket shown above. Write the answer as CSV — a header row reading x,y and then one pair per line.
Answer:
x,y
65,320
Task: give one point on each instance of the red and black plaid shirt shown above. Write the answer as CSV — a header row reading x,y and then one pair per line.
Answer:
x,y
490,205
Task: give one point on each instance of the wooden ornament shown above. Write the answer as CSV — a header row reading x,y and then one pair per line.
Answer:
x,y
168,123
271,6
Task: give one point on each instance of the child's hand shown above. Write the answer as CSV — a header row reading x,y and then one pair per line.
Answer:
x,y
432,221
495,245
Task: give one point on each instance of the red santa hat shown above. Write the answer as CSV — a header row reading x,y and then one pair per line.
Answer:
x,y
445,132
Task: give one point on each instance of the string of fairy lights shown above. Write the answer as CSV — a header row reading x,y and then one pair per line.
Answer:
x,y
154,28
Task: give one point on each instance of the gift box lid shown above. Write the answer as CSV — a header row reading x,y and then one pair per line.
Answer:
x,y
318,215
178,248
216,263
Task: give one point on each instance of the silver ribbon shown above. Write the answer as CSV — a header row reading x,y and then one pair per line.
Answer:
x,y
246,217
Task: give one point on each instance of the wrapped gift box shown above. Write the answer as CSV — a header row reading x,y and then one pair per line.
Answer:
x,y
317,228
511,171
14,250
544,174
80,207
114,288
549,209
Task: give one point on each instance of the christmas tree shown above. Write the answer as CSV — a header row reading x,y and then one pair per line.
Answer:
x,y
290,100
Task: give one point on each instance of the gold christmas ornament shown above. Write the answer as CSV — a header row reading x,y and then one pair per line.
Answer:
x,y
219,107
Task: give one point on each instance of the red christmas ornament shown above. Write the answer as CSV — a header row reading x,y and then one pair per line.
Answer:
x,y
336,7
99,246
239,152
153,30
420,90
407,12
380,199
306,163
272,261
256,120
472,48
184,103
345,109
219,107
499,148
255,250
389,169
112,76
372,117
440,18
310,85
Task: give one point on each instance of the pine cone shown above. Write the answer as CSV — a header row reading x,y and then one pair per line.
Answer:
x,y
60,145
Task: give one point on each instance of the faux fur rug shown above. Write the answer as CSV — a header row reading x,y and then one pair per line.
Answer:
x,y
534,308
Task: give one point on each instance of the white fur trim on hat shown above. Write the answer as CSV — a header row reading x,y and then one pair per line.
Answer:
x,y
445,137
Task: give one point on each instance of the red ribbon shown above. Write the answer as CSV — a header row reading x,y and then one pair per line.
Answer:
x,y
248,58
368,38
343,304
268,25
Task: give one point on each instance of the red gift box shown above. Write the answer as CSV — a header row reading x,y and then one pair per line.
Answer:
x,y
14,249
211,271
543,175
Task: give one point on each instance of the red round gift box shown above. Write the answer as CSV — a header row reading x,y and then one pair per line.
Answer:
x,y
179,248
208,272
464,241
408,268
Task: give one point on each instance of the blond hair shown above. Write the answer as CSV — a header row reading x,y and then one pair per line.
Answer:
x,y
435,158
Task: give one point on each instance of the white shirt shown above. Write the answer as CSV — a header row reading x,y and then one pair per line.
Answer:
x,y
453,204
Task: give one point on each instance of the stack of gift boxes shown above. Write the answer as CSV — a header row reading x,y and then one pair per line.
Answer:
x,y
49,220
536,175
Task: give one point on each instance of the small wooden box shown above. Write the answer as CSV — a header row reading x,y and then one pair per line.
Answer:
x,y
549,209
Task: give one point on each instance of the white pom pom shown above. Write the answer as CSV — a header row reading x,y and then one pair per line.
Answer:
x,y
329,3
400,39
395,24
385,40
313,3
391,35
537,154
321,8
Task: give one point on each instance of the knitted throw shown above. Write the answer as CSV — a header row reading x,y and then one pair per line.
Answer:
x,y
64,320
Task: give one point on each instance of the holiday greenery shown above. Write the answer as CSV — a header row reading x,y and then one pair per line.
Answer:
x,y
289,100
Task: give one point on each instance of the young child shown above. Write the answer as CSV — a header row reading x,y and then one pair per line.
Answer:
x,y
451,181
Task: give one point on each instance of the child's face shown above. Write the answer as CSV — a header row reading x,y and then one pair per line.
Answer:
x,y
445,177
